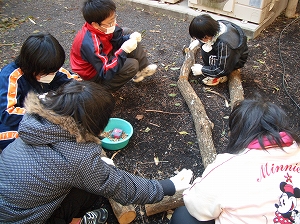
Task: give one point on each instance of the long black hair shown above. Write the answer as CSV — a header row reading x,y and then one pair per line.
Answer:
x,y
41,53
87,102
253,119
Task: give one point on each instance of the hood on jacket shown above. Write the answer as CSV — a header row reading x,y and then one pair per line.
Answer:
x,y
49,130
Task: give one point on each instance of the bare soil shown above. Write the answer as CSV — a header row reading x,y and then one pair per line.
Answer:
x,y
166,132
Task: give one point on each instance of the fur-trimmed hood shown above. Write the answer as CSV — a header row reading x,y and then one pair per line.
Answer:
x,y
35,108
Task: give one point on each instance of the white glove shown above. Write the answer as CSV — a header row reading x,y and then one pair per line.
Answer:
x,y
108,161
197,69
182,180
129,45
194,44
137,36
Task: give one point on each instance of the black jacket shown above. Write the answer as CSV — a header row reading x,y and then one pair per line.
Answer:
x,y
229,52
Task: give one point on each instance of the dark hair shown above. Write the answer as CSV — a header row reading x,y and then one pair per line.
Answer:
x,y
40,53
87,102
253,119
97,10
203,25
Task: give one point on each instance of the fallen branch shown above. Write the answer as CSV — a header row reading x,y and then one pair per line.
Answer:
x,y
207,89
159,111
10,44
152,162
156,125
202,123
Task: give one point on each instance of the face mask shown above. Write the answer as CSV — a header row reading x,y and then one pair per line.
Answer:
x,y
207,46
47,78
110,30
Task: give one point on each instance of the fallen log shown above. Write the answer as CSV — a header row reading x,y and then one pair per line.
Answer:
x,y
236,90
124,214
168,203
202,123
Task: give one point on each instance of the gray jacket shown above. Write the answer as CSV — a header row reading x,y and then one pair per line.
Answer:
x,y
49,158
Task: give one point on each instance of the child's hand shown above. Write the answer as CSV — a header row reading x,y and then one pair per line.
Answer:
x,y
195,43
137,36
108,161
197,69
129,45
182,180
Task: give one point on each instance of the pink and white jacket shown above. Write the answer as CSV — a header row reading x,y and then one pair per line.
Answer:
x,y
254,186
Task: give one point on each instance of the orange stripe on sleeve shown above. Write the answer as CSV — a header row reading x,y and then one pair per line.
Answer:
x,y
69,75
12,93
8,135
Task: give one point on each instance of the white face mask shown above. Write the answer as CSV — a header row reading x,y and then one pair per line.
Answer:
x,y
47,78
207,46
110,30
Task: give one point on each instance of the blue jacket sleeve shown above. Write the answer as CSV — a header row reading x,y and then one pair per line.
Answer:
x,y
13,89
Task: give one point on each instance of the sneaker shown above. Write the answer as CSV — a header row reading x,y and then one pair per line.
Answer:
x,y
214,81
148,71
98,216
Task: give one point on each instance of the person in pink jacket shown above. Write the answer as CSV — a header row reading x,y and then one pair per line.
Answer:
x,y
257,179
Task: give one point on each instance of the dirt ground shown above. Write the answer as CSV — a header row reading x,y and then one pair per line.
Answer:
x,y
167,131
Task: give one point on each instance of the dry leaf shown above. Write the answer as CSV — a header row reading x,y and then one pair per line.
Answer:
x,y
183,133
169,214
139,117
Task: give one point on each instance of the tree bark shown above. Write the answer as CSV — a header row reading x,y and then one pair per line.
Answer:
x,y
168,203
202,123
290,11
236,90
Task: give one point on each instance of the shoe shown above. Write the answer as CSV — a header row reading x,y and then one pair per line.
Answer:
x,y
148,71
214,81
98,216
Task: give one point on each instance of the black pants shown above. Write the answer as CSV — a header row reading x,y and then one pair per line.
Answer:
x,y
75,205
181,215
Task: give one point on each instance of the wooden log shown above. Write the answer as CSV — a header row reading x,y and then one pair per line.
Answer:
x,y
124,214
202,123
168,203
291,8
236,90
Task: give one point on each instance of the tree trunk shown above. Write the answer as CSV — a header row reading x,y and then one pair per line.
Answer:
x,y
201,121
290,11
